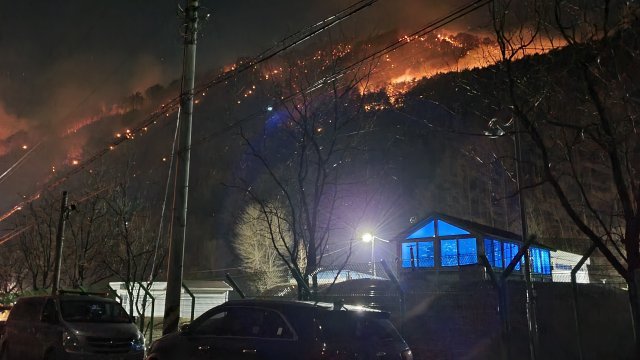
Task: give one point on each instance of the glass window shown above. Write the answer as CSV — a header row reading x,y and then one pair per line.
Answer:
x,y
488,250
444,228
409,251
425,254
510,251
244,322
27,309
418,254
274,326
426,231
467,251
214,325
449,252
540,261
93,311
546,262
497,254
493,251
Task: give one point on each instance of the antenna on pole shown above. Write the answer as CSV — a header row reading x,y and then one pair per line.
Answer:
x,y
183,156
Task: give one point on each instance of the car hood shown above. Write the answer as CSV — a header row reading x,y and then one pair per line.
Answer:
x,y
113,330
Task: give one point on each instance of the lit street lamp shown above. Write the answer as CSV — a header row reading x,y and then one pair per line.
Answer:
x,y
368,237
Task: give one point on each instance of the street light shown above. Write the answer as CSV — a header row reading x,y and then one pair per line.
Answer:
x,y
369,237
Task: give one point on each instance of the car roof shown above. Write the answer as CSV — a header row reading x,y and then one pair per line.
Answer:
x,y
277,303
70,297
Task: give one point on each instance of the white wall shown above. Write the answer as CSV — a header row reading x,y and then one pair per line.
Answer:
x,y
205,299
563,262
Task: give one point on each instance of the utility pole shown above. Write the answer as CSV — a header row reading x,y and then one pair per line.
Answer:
x,y
183,155
59,243
532,321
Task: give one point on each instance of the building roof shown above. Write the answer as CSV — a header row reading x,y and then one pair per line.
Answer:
x,y
472,227
210,285
207,285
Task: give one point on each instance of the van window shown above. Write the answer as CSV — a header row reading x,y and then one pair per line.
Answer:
x,y
94,311
27,309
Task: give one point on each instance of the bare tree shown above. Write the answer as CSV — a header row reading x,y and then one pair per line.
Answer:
x,y
131,239
578,109
261,253
12,271
87,231
37,241
307,148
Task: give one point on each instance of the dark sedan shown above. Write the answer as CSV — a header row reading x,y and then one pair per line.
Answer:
x,y
274,329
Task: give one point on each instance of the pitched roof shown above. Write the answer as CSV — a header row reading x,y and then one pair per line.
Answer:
x,y
468,225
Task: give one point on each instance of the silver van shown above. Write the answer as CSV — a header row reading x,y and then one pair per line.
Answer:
x,y
70,327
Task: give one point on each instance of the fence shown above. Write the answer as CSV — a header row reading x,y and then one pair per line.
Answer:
x,y
457,316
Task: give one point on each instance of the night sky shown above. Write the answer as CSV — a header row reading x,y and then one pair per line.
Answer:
x,y
64,61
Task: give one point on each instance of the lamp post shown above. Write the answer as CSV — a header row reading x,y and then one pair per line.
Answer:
x,y
368,237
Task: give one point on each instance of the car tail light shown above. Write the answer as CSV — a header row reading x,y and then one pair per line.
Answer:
x,y
407,355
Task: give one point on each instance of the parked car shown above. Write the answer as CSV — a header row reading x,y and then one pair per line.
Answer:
x,y
70,327
279,329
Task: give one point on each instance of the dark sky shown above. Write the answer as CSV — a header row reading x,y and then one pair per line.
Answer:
x,y
65,60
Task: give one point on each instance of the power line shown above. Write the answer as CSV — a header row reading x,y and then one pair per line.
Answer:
x,y
288,42
174,103
429,28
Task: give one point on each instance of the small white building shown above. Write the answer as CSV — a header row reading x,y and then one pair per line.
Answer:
x,y
207,294
563,262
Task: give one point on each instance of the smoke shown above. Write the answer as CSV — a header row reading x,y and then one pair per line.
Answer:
x,y
12,130
100,62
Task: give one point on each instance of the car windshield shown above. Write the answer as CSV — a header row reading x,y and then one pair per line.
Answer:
x,y
95,311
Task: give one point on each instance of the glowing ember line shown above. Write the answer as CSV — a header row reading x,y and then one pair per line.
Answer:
x,y
112,111
15,233
10,170
19,207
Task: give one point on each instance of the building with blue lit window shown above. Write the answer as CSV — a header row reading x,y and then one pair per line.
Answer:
x,y
445,244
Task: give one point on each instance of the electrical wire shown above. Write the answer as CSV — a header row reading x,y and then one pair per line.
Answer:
x,y
5,175
429,28
166,195
173,104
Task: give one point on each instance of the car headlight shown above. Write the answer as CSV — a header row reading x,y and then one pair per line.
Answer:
x,y
407,355
70,342
138,343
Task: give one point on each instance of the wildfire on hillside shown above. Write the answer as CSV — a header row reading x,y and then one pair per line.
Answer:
x,y
395,72
106,111
392,74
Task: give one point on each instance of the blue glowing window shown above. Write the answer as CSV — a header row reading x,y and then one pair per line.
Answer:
x,y
510,251
409,254
467,251
444,229
540,261
488,250
449,252
425,254
426,231
493,251
417,254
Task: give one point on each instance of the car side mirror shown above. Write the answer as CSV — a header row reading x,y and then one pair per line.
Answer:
x,y
134,319
185,328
